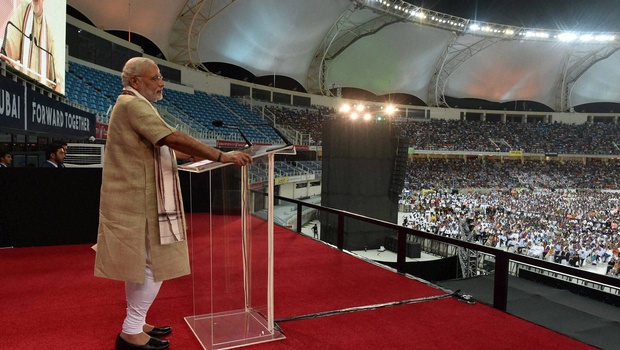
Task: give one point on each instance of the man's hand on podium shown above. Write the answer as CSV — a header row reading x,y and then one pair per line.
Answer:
x,y
239,158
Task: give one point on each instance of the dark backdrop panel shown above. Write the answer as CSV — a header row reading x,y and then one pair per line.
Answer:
x,y
431,270
358,165
578,289
41,206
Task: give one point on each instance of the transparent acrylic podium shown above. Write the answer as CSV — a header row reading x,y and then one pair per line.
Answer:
x,y
230,230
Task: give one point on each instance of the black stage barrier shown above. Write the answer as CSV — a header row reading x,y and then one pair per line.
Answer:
x,y
359,162
46,206
413,250
431,270
578,289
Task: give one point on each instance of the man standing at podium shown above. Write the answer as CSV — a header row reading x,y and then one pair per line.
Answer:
x,y
141,238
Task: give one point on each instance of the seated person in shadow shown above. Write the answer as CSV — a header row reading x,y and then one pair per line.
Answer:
x,y
56,154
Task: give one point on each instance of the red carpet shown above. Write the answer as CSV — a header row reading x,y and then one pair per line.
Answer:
x,y
50,299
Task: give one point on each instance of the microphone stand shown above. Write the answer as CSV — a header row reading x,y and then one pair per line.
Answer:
x,y
6,28
22,66
220,124
34,40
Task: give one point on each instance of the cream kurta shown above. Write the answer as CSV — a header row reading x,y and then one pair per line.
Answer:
x,y
128,207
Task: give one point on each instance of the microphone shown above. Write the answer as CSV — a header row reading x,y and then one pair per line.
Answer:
x,y
6,30
220,124
33,39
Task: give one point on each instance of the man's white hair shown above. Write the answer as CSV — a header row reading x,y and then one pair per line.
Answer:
x,y
135,67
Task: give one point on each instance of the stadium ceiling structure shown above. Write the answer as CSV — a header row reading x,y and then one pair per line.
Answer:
x,y
380,46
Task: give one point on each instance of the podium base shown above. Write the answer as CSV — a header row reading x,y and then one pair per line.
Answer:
x,y
232,329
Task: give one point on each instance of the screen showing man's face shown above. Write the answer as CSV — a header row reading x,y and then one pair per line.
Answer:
x,y
37,7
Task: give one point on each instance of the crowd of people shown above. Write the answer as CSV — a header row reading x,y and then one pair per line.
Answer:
x,y
559,211
565,226
305,120
566,212
457,135
447,173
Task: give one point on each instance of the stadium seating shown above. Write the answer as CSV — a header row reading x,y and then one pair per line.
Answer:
x,y
97,90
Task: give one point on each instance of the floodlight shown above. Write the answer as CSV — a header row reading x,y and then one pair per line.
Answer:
x,y
586,37
567,37
604,37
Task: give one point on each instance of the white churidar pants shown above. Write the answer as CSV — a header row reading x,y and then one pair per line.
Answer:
x,y
140,297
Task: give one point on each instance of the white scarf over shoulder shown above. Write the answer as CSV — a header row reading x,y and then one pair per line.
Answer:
x,y
169,203
28,47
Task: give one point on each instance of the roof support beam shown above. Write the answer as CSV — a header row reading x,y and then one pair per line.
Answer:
x,y
185,35
450,60
342,34
576,64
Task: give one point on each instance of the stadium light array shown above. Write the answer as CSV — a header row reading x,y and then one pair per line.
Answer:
x,y
406,11
567,37
345,108
372,112
536,34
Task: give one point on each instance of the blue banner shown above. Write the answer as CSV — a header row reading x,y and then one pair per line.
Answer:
x,y
22,109
12,104
47,115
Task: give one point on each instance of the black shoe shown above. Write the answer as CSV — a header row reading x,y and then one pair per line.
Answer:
x,y
153,344
159,332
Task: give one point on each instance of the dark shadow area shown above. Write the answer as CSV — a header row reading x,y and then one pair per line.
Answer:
x,y
518,105
230,71
576,316
71,11
45,206
432,270
281,82
147,45
402,99
598,107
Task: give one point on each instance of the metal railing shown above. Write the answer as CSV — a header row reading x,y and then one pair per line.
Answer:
x,y
502,258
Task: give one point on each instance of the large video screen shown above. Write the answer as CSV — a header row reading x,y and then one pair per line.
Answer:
x,y
33,39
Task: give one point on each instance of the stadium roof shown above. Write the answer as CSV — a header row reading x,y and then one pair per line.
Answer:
x,y
597,15
365,44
